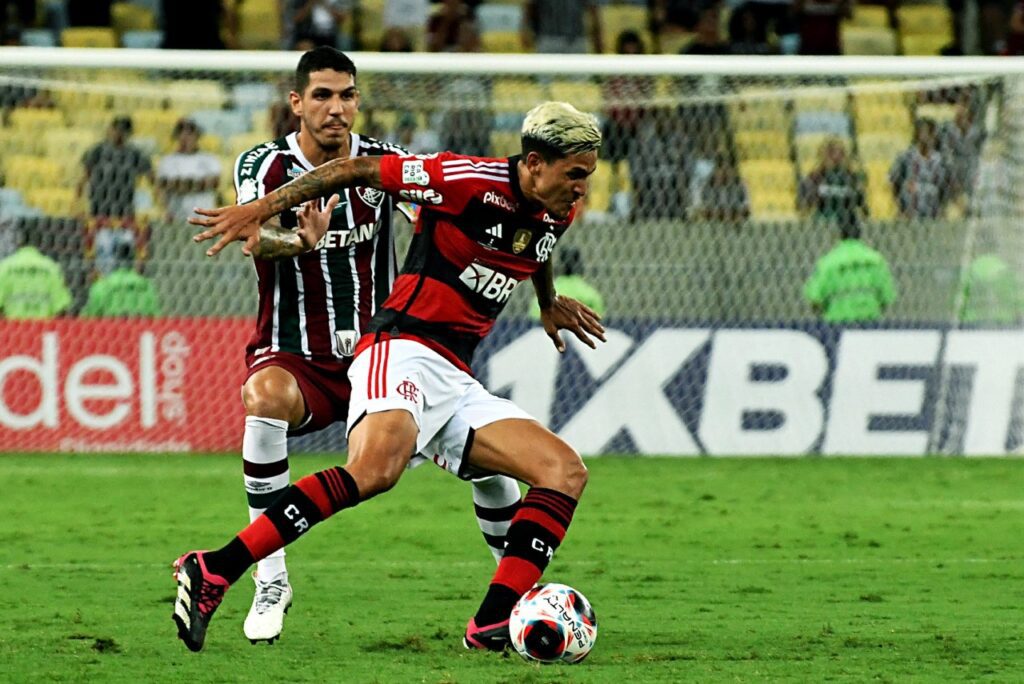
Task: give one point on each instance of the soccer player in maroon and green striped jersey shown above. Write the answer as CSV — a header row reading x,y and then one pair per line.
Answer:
x,y
314,305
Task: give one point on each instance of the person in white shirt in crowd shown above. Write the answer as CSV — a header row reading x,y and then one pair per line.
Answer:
x,y
187,178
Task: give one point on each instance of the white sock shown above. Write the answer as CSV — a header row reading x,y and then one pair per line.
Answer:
x,y
496,500
265,456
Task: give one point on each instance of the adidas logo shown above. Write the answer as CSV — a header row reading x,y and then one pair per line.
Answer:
x,y
494,231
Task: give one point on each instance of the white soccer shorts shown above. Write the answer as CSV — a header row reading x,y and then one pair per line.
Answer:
x,y
447,403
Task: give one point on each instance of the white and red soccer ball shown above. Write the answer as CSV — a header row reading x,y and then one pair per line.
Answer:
x,y
553,623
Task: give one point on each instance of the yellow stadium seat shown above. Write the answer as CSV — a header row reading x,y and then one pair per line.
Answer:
x,y
881,204
36,121
881,146
208,142
66,147
23,172
95,120
70,100
259,25
923,44
934,20
14,141
867,40
261,122
127,16
88,37
870,15
505,143
516,94
762,144
584,95
501,41
773,174
196,93
773,205
759,109
371,24
831,100
53,201
155,123
674,42
938,112
618,18
876,112
241,142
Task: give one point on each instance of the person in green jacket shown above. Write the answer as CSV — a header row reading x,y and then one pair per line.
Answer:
x,y
991,292
852,282
572,284
32,285
124,291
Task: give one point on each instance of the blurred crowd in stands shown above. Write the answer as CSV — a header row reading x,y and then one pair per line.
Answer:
x,y
841,160
707,27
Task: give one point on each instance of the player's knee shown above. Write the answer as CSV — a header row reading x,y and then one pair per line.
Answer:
x,y
261,399
574,474
374,472
565,472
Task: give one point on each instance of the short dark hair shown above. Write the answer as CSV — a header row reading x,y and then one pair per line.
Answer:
x,y
849,230
925,122
318,59
122,123
186,124
124,253
547,152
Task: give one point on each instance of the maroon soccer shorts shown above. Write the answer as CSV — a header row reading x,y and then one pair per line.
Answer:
x,y
324,386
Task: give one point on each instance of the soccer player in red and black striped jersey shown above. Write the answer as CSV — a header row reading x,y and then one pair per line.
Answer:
x,y
485,226
313,306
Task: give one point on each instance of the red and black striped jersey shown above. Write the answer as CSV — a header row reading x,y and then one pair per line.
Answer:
x,y
318,303
477,237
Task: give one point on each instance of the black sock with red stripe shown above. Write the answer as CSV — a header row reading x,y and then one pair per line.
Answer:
x,y
534,536
312,499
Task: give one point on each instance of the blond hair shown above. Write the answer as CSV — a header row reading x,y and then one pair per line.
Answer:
x,y
561,128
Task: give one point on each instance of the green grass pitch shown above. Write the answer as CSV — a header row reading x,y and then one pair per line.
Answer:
x,y
705,570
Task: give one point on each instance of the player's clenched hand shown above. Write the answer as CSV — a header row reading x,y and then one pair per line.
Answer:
x,y
237,222
313,222
565,313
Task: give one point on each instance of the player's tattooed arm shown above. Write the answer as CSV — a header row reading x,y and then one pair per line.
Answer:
x,y
243,221
334,175
276,242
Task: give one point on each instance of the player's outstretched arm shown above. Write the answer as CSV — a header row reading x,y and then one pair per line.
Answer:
x,y
274,241
243,221
565,313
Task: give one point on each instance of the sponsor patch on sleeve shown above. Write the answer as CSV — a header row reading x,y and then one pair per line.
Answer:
x,y
413,173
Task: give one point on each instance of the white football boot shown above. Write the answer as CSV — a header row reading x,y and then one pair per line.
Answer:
x,y
266,616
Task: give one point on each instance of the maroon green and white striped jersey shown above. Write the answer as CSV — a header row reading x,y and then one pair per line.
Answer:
x,y
318,303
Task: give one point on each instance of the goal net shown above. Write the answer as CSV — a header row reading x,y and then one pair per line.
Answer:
x,y
721,185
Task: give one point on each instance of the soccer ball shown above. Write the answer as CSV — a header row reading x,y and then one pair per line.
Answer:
x,y
552,623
